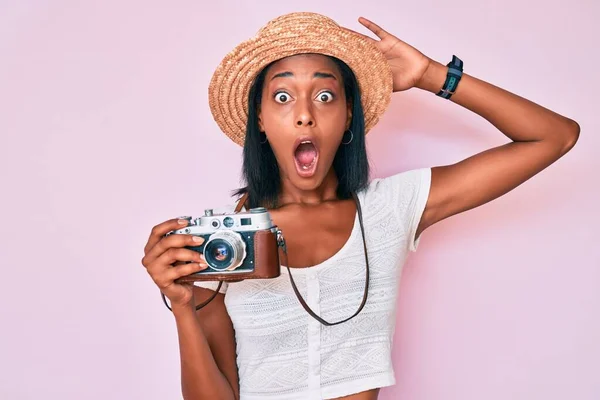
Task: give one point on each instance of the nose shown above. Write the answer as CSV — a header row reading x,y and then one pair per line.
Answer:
x,y
304,115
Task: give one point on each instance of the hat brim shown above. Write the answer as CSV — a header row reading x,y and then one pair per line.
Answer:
x,y
231,82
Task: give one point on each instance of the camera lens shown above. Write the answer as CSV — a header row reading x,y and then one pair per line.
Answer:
x,y
225,251
221,252
218,254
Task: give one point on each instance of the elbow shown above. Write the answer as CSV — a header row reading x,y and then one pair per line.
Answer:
x,y
573,133
570,135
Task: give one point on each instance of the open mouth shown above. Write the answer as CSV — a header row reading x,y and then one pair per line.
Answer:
x,y
306,156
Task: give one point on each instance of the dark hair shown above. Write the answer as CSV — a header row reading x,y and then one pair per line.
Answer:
x,y
260,169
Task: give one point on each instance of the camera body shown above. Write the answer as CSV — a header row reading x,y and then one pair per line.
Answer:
x,y
236,246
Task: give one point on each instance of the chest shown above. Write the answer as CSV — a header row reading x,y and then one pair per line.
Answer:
x,y
315,234
333,289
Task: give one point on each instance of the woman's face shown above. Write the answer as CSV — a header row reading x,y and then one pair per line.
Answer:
x,y
304,114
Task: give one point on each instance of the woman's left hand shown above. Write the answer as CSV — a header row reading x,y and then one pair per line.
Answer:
x,y
407,63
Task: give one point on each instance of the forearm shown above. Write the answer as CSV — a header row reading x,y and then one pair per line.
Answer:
x,y
519,119
200,375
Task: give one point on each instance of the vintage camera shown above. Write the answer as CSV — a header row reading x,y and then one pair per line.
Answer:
x,y
236,246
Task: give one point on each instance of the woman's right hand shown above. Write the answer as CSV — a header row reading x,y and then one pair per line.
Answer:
x,y
165,257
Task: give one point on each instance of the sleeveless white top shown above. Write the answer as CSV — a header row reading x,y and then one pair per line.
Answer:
x,y
283,353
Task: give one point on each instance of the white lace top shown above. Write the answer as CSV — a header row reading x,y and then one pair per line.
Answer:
x,y
284,353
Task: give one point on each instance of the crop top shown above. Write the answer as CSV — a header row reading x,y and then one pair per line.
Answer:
x,y
283,353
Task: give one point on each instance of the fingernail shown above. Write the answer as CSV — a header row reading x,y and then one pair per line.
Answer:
x,y
202,266
182,221
198,239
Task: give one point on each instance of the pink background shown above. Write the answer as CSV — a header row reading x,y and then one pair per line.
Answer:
x,y
106,131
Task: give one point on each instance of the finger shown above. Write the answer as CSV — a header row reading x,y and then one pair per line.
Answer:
x,y
172,255
172,241
168,277
160,230
373,27
202,259
183,270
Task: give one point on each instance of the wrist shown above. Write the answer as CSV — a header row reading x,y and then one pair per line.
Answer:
x,y
434,77
183,309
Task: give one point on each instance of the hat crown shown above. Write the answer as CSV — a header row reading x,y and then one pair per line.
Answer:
x,y
297,20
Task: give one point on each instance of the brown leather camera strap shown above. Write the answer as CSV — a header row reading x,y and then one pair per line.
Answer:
x,y
366,292
241,202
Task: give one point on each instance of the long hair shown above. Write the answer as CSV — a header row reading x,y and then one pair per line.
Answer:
x,y
260,169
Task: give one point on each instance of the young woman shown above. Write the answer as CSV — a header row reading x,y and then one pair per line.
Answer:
x,y
300,97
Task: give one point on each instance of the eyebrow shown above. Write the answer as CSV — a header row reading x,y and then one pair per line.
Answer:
x,y
288,74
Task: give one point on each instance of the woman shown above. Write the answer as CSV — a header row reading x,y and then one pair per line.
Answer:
x,y
313,91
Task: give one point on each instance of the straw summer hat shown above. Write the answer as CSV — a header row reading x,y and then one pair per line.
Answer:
x,y
288,35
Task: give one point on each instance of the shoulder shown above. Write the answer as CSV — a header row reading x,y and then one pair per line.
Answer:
x,y
403,195
404,184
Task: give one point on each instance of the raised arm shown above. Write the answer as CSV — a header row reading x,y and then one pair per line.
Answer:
x,y
539,138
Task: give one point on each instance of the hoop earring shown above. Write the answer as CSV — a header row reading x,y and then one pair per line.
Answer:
x,y
351,137
265,141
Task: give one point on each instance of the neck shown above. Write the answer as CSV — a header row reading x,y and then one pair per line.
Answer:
x,y
326,191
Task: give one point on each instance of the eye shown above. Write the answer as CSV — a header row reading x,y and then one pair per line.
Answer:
x,y
282,97
325,97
